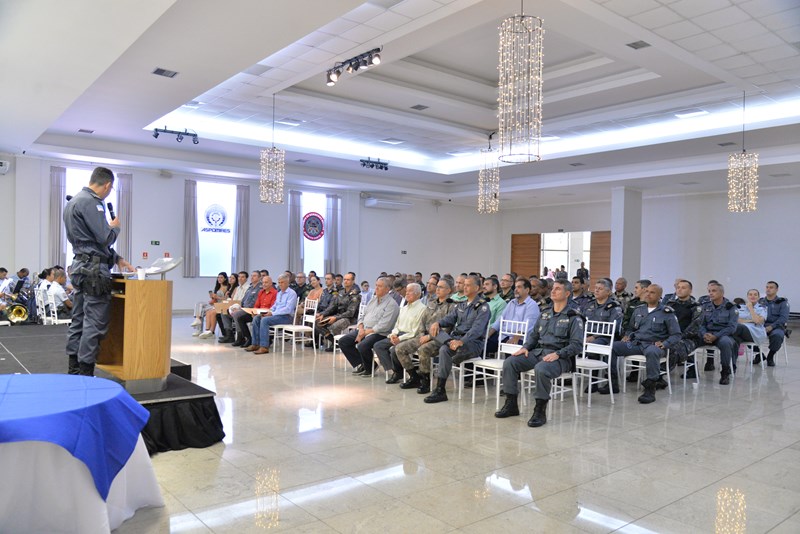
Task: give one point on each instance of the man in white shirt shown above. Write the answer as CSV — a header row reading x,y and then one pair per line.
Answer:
x,y
62,302
408,326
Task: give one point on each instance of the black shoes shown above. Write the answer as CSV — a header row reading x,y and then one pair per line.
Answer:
x,y
539,416
709,365
725,379
239,343
604,389
509,409
74,368
86,369
413,381
358,370
227,339
395,378
424,383
659,384
633,377
649,394
439,394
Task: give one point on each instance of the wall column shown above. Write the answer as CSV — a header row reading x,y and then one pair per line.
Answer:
x,y
626,233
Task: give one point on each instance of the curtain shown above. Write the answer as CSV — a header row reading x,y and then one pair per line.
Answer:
x,y
58,234
333,259
123,246
241,236
191,239
295,232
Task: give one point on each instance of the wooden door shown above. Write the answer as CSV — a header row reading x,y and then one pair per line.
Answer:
x,y
526,254
601,255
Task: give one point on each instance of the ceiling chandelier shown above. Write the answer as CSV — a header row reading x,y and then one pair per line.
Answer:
x,y
489,181
272,169
520,88
742,177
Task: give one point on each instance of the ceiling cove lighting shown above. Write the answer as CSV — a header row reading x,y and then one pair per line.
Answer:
x,y
273,168
359,62
742,177
178,135
520,88
489,181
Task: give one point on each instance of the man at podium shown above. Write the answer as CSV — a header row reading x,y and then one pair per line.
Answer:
x,y
91,237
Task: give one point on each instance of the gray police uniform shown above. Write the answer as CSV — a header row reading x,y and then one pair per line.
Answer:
x,y
607,312
344,308
721,321
777,315
645,329
434,312
561,333
469,321
91,238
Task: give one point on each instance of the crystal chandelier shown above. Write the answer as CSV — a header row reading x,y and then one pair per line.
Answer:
x,y
742,177
272,169
489,181
520,88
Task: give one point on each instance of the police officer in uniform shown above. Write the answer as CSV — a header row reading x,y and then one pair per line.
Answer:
x,y
622,296
690,314
717,328
91,237
469,320
653,330
550,349
341,313
580,296
638,291
777,315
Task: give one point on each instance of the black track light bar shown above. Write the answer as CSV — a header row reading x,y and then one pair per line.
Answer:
x,y
178,135
359,62
370,163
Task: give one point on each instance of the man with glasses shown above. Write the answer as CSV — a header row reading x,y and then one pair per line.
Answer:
x,y
507,287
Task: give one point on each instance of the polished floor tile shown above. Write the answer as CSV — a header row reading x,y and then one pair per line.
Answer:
x,y
311,448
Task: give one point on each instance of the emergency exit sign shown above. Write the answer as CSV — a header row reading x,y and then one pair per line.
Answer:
x,y
155,242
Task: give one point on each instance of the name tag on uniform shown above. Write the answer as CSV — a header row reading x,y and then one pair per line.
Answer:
x,y
100,208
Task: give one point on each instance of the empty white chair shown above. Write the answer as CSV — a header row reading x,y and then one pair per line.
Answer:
x,y
297,332
493,367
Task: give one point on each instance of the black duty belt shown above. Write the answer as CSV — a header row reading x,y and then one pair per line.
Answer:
x,y
88,258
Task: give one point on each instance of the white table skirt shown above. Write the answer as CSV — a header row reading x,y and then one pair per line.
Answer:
x,y
43,488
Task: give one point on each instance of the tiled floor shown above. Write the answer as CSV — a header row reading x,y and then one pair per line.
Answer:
x,y
312,449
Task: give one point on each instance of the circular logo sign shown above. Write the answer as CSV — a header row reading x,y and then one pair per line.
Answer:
x,y
216,215
313,226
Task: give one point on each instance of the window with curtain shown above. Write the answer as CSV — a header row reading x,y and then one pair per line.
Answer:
x,y
75,180
216,227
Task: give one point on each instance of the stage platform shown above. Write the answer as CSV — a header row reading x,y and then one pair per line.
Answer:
x,y
183,415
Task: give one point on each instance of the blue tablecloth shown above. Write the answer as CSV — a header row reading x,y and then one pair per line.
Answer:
x,y
94,419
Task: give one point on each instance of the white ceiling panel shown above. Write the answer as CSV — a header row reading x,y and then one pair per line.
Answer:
x,y
415,8
656,18
694,8
628,8
720,19
679,30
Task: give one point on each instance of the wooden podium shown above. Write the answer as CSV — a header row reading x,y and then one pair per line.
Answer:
x,y
137,348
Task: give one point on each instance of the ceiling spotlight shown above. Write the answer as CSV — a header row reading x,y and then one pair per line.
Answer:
x,y
330,80
178,135
195,140
375,59
335,74
370,163
363,63
179,138
155,133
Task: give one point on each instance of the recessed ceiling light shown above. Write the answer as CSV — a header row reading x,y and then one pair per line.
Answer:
x,y
727,143
419,107
549,138
164,72
459,153
687,113
84,130
194,104
689,183
392,141
287,121
577,164
448,182
638,45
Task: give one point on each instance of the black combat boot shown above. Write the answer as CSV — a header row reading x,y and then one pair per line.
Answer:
x,y
424,383
227,337
86,369
633,377
413,381
510,408
539,416
725,379
771,358
439,394
605,390
74,368
709,364
649,394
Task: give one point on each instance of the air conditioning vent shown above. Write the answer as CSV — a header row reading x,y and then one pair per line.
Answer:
x,y
386,204
164,72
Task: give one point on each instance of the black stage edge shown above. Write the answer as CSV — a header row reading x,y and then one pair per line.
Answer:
x,y
183,415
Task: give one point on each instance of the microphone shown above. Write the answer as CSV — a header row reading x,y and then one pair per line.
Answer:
x,y
111,210
69,197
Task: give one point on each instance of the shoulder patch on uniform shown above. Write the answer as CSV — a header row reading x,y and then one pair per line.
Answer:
x,y
780,299
611,304
729,305
100,208
485,308
669,309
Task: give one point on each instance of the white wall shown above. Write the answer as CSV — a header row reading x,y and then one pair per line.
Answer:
x,y
8,230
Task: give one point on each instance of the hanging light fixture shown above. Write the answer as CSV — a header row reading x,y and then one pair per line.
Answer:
x,y
520,88
272,169
489,181
742,177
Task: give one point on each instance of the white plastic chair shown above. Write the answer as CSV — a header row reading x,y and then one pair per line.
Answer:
x,y
493,367
292,331
53,313
41,305
585,366
560,387
277,330
638,362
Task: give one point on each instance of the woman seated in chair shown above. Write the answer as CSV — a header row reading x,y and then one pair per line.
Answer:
x,y
314,294
207,311
46,278
751,322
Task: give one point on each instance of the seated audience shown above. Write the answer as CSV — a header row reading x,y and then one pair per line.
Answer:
x,y
490,294
689,313
522,308
379,318
468,320
777,315
553,342
507,287
281,312
398,291
638,292
300,287
407,327
264,301
342,312
426,345
653,329
237,314
459,295
237,292
46,278
207,310
580,296
62,301
366,292
752,316
329,293
622,296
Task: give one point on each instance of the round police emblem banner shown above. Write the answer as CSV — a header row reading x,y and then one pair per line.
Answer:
x,y
313,226
215,215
